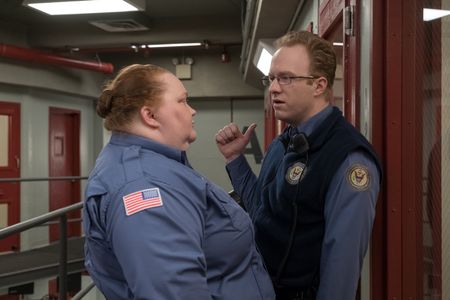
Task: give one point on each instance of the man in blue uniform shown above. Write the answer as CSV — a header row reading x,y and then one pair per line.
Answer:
x,y
155,228
313,203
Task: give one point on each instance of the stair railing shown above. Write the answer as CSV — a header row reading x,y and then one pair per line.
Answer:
x,y
33,222
37,221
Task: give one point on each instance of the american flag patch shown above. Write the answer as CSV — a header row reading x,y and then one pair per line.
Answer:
x,y
137,201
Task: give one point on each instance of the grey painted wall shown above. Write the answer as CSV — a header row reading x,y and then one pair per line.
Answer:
x,y
213,115
34,106
216,88
309,13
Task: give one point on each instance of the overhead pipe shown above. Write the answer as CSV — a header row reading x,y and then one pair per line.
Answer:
x,y
42,57
247,20
296,14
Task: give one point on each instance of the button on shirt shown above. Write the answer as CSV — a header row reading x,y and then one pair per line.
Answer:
x,y
191,242
349,214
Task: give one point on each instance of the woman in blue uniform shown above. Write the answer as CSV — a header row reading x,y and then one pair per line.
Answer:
x,y
155,228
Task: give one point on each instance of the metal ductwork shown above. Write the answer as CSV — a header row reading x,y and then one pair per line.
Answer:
x,y
257,27
42,57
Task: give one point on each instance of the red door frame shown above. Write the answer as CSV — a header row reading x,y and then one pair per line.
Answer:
x,y
352,68
379,263
74,229
397,109
412,149
433,65
12,171
330,13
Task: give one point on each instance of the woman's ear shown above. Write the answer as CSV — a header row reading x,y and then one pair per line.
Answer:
x,y
320,85
147,116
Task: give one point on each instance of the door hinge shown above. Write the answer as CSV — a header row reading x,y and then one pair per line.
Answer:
x,y
349,20
17,161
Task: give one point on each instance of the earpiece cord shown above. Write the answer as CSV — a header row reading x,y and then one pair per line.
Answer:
x,y
293,229
288,249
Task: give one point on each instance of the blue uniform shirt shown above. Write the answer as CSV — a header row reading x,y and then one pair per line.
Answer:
x,y
156,229
349,213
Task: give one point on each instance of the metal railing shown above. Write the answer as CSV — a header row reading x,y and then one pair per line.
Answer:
x,y
72,178
62,215
46,218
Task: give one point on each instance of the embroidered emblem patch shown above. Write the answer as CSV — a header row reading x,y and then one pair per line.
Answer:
x,y
294,173
140,200
358,177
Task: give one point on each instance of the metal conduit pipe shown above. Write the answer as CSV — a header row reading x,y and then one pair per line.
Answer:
x,y
296,14
42,57
247,25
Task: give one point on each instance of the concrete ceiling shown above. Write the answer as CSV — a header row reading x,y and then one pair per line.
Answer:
x,y
220,22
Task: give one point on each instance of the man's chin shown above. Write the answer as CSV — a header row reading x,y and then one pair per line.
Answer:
x,y
192,138
280,116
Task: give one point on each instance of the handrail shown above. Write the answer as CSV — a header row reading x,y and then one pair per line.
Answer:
x,y
45,218
59,213
24,225
83,292
43,178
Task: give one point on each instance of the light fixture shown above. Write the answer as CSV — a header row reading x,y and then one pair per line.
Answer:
x,y
431,14
175,61
338,44
171,45
224,56
183,67
263,55
189,60
84,6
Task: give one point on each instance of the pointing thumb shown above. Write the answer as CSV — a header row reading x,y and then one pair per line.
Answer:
x,y
248,133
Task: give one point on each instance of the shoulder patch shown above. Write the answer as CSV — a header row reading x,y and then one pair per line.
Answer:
x,y
358,177
140,200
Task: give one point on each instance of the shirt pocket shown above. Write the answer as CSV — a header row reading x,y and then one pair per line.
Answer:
x,y
238,217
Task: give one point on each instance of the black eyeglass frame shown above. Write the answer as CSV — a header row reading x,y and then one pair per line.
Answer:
x,y
266,81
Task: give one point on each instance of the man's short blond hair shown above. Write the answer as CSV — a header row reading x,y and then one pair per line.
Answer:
x,y
321,53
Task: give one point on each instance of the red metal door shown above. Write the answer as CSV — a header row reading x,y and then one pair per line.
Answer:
x,y
64,160
338,23
9,168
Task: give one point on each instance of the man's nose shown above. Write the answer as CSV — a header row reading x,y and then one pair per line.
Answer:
x,y
274,86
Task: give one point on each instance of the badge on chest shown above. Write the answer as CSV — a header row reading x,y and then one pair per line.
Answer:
x,y
295,173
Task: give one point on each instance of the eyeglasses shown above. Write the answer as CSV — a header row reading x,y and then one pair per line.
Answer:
x,y
284,80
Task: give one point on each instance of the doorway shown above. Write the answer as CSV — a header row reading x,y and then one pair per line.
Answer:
x,y
64,160
9,168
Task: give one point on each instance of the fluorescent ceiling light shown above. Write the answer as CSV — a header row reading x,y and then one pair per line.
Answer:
x,y
173,45
339,44
264,62
82,7
263,55
431,14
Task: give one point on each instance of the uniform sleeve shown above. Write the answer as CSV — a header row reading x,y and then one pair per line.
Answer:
x,y
243,181
159,248
349,215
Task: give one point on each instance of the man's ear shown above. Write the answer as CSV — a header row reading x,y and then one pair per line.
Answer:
x,y
320,85
147,116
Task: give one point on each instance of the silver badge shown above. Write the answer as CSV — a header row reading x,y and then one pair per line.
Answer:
x,y
295,173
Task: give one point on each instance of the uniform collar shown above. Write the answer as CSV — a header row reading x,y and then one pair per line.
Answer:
x,y
126,139
310,125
